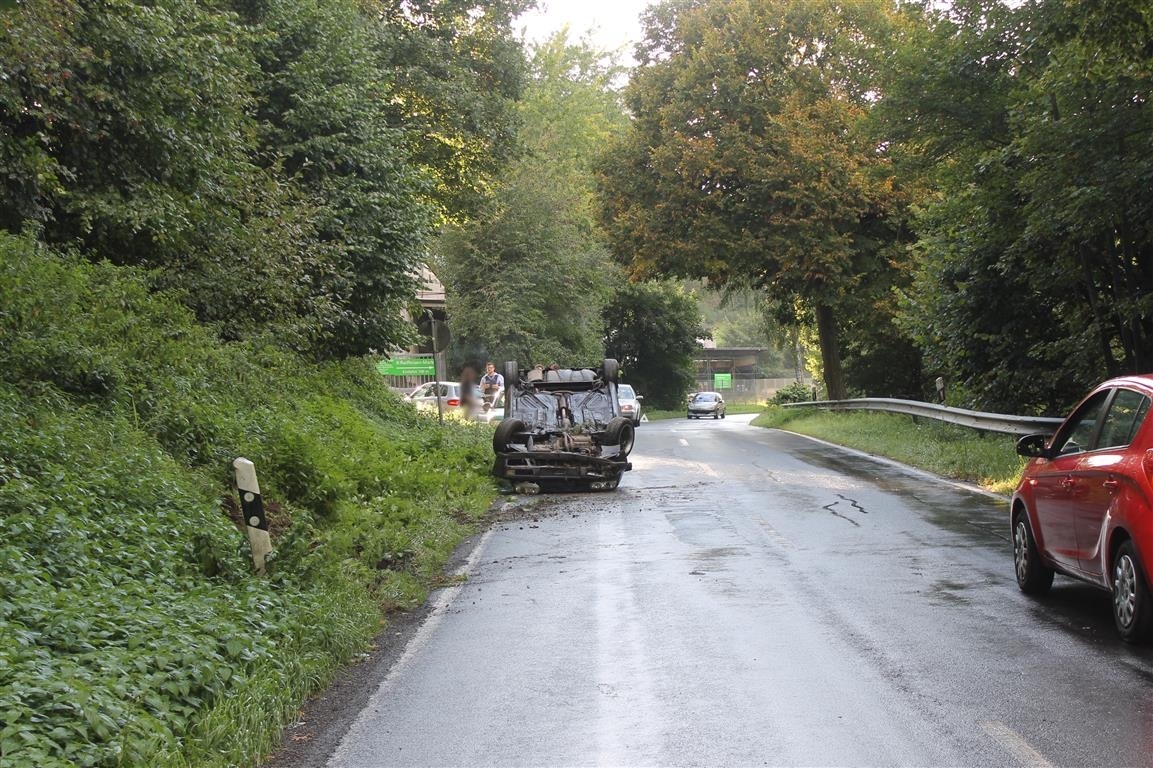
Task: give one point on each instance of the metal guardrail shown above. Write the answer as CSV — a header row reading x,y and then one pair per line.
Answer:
x,y
988,422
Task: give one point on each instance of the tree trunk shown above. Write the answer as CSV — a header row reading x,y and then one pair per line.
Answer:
x,y
798,354
830,352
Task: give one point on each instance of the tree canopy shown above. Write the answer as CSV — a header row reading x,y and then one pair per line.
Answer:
x,y
652,329
526,278
746,165
1030,129
281,165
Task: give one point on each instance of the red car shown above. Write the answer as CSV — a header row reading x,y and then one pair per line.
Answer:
x,y
1084,506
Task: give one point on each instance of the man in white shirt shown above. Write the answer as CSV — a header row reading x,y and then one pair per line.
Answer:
x,y
491,384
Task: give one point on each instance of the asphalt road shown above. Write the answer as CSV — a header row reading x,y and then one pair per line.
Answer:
x,y
749,597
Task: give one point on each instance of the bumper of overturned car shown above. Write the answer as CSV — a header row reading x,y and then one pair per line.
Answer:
x,y
538,466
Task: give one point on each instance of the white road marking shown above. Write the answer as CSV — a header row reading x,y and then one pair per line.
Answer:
x,y
684,442
1015,744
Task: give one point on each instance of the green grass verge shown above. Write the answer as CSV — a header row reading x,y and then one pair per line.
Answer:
x,y
985,459
132,629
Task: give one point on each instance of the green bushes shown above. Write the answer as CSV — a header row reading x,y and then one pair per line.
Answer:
x,y
131,629
797,392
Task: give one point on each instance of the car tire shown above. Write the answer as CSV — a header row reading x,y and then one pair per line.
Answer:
x,y
1033,576
619,432
1132,611
511,374
505,432
611,369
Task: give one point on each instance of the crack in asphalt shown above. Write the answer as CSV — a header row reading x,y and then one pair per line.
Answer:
x,y
852,502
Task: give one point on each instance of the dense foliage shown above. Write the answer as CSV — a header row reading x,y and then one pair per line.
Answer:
x,y
211,215
280,165
1031,128
652,330
746,164
132,631
526,277
954,189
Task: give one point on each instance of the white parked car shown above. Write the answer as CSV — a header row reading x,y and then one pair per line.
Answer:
x,y
630,402
493,414
448,393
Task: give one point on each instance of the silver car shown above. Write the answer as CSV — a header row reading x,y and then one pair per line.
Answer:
x,y
707,404
630,402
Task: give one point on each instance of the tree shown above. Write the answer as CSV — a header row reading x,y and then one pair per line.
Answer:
x,y
324,108
527,277
746,165
653,331
117,118
1029,131
280,165
523,282
458,73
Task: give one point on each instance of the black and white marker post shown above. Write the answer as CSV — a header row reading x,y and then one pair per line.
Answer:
x,y
253,509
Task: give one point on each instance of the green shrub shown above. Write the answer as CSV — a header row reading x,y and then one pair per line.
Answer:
x,y
797,392
132,631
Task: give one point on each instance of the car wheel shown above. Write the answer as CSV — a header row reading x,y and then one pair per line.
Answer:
x,y
511,374
612,369
505,432
619,432
1132,612
1033,576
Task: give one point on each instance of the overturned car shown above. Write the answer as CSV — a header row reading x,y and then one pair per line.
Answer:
x,y
563,429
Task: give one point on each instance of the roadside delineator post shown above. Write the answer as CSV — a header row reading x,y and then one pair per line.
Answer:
x,y
253,508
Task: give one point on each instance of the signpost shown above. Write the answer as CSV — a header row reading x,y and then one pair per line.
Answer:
x,y
722,381
424,365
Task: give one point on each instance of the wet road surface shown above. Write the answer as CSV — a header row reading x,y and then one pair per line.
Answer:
x,y
751,597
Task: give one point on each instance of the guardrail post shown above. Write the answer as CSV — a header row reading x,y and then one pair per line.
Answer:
x,y
253,509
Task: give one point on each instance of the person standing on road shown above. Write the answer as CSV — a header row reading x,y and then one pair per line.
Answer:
x,y
491,385
468,385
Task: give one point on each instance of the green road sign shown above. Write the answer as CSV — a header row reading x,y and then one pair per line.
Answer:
x,y
408,366
722,381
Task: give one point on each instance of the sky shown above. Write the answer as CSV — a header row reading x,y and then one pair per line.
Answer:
x,y
610,23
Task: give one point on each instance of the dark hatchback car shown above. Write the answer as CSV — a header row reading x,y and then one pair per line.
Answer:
x,y
563,429
1084,506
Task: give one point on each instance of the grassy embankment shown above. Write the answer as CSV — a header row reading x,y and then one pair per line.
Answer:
x,y
132,629
988,460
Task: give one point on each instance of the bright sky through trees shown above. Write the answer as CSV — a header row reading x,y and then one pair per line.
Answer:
x,y
611,24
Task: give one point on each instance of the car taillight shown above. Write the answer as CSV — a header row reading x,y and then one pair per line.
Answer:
x,y
453,402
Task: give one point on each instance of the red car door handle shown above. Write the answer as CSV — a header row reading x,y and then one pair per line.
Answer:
x,y
1111,485
1067,483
